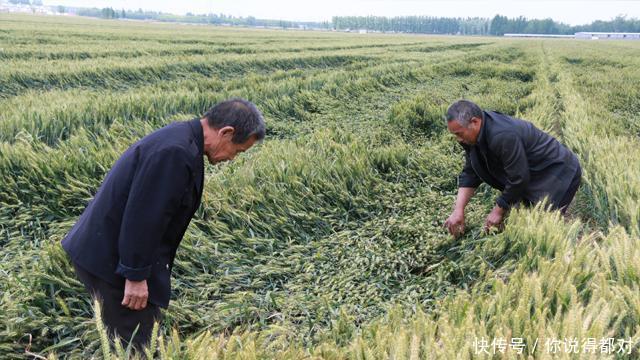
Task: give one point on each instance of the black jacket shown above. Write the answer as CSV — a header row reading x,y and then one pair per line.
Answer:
x,y
523,162
134,224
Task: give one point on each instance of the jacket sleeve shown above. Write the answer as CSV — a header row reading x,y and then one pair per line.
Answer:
x,y
510,149
468,177
156,190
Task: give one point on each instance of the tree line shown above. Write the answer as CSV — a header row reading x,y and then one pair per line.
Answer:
x,y
414,24
216,19
498,25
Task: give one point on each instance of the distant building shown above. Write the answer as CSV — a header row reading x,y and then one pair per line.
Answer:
x,y
584,35
539,36
607,36
6,6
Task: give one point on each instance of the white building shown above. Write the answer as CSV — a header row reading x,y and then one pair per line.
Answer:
x,y
540,36
607,36
6,6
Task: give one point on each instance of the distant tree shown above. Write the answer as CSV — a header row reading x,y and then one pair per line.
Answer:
x,y
61,9
498,25
109,13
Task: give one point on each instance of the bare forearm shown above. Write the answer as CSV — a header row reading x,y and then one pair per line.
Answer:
x,y
464,196
455,222
499,210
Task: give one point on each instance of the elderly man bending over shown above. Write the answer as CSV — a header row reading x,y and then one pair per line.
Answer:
x,y
513,156
123,245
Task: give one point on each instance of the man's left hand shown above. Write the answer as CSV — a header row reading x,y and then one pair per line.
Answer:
x,y
135,294
494,219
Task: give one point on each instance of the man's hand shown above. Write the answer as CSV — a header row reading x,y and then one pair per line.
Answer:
x,y
135,294
494,219
455,223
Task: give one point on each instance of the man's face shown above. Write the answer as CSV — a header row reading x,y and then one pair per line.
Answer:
x,y
225,149
467,135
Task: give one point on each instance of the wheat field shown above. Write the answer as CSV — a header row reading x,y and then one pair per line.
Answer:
x,y
326,240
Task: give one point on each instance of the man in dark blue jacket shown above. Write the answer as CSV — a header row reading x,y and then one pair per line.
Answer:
x,y
510,155
125,241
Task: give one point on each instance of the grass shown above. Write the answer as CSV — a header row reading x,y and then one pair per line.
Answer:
x,y
326,241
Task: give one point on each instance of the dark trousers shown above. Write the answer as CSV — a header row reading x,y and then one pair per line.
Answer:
x,y
564,203
120,320
571,192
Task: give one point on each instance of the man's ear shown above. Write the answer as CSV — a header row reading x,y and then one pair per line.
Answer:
x,y
226,131
476,121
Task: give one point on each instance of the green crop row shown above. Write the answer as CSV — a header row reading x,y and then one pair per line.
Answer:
x,y
601,125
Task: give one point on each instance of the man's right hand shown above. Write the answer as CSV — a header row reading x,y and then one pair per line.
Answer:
x,y
135,294
455,223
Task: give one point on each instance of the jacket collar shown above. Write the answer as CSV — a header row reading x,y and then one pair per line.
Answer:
x,y
482,136
198,141
198,134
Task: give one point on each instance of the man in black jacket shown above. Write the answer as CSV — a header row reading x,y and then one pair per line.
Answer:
x,y
124,243
510,155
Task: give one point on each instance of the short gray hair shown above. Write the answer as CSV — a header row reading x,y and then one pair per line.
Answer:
x,y
462,111
240,114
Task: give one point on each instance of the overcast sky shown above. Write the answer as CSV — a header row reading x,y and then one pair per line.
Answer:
x,y
567,11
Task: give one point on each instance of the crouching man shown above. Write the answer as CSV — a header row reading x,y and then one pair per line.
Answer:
x,y
513,156
124,243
